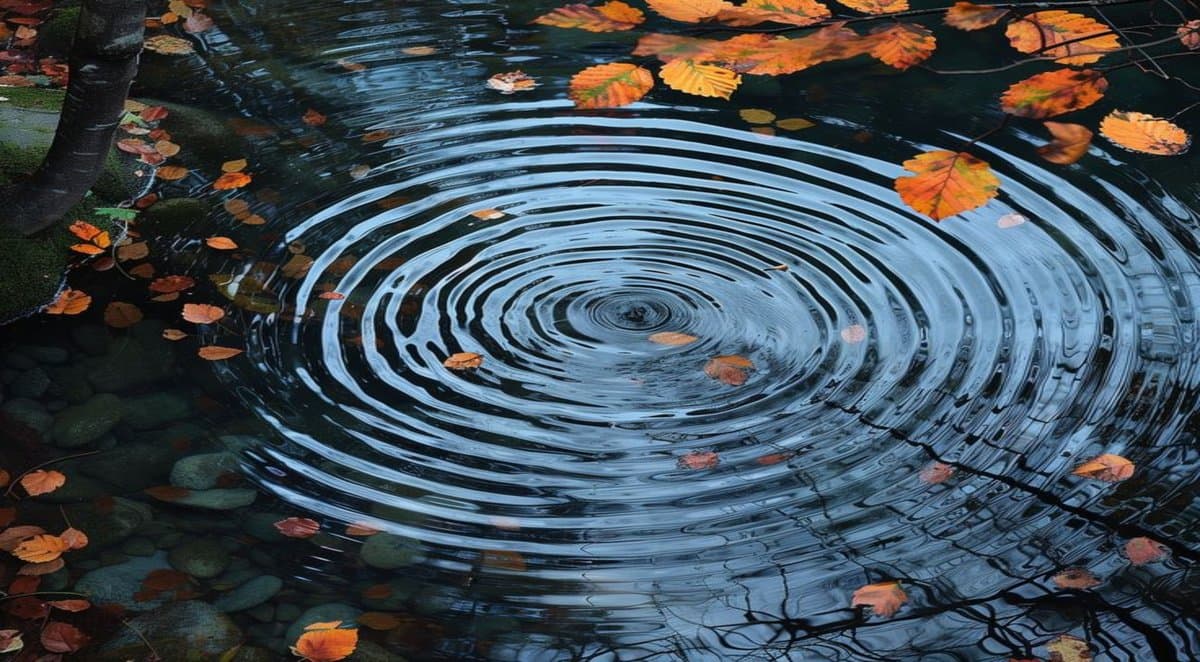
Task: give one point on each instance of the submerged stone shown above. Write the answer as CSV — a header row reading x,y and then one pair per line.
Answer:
x,y
202,558
218,499
191,631
201,472
154,410
79,425
250,594
29,413
388,551
120,584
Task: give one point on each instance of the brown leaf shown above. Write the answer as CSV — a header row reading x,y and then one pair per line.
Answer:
x,y
1053,93
202,313
74,538
884,598
168,284
122,315
1142,550
63,638
730,370
236,165
756,115
43,568
12,536
313,118
503,559
298,527
166,148
216,353
231,180
936,472
42,481
1077,578
1069,649
72,605
167,492
173,334
1107,467
172,173
672,338
697,460
1071,142
463,361
378,620
969,16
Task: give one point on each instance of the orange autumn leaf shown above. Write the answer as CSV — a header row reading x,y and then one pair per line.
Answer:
x,y
689,11
970,16
298,527
326,645
173,334
313,118
1071,142
361,529
667,47
903,45
1076,578
1107,467
221,243
781,56
876,6
672,338
946,183
884,598
1142,550
40,548
42,481
202,313
704,80
172,173
122,315
86,249
1054,93
231,180
487,214
697,460
74,538
463,361
69,302
730,370
216,353
936,472
791,12
166,148
610,85
1139,132
331,296
168,284
1045,32
236,165
144,270
612,16
90,233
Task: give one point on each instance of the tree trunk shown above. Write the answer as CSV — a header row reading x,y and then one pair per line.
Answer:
x,y
103,61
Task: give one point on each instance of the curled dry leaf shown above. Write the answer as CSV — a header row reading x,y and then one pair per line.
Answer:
x,y
946,183
1189,35
1062,34
202,313
122,315
697,460
512,82
1054,93
1077,578
884,598
1139,132
40,548
1069,649
221,243
970,16
1071,142
729,369
610,85
612,16
298,527
672,338
1107,467
217,353
42,481
326,645
463,361
936,472
69,302
1142,550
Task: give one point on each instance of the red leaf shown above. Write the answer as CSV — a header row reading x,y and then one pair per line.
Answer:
x,y
298,527
63,638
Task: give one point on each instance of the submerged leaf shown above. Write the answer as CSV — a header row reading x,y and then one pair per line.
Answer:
x,y
298,527
122,315
1069,649
697,460
1142,550
729,369
672,338
946,183
1071,142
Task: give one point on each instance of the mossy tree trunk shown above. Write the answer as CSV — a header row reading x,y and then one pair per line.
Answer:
x,y
103,61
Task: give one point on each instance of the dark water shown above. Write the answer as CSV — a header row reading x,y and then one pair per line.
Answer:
x,y
541,497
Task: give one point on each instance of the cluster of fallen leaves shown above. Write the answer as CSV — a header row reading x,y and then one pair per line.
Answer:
x,y
20,22
40,553
942,183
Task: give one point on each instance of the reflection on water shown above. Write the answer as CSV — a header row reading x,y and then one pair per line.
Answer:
x,y
536,507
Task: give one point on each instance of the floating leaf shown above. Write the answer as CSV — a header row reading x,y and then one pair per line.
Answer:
x,y
1069,649
511,82
221,243
202,313
331,296
43,568
42,481
1144,133
231,180
903,45
1045,32
74,538
610,85
361,529
1054,93
378,620
133,251
298,527
40,548
756,115
236,165
705,80
69,302
936,472
776,57
1071,142
172,173
487,214
168,45
876,6
216,353
791,12
689,11
613,16
730,370
90,233
1142,550
946,183
672,338
12,536
463,361
71,605
970,16
10,641
326,645
173,334
1107,467
853,334
793,124
697,460
884,598
1011,220
122,315
1076,578
1189,35
168,284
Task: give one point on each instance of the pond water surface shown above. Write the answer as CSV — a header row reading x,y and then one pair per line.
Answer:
x,y
542,506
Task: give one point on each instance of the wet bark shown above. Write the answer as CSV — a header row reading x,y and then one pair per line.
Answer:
x,y
103,61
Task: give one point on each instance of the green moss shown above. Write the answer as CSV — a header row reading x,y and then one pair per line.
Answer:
x,y
56,35
35,98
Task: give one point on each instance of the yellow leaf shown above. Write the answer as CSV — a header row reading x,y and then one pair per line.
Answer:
x,y
1144,133
1054,93
705,80
610,85
612,16
946,183
794,124
757,115
1045,32
903,45
237,165
876,6
970,16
